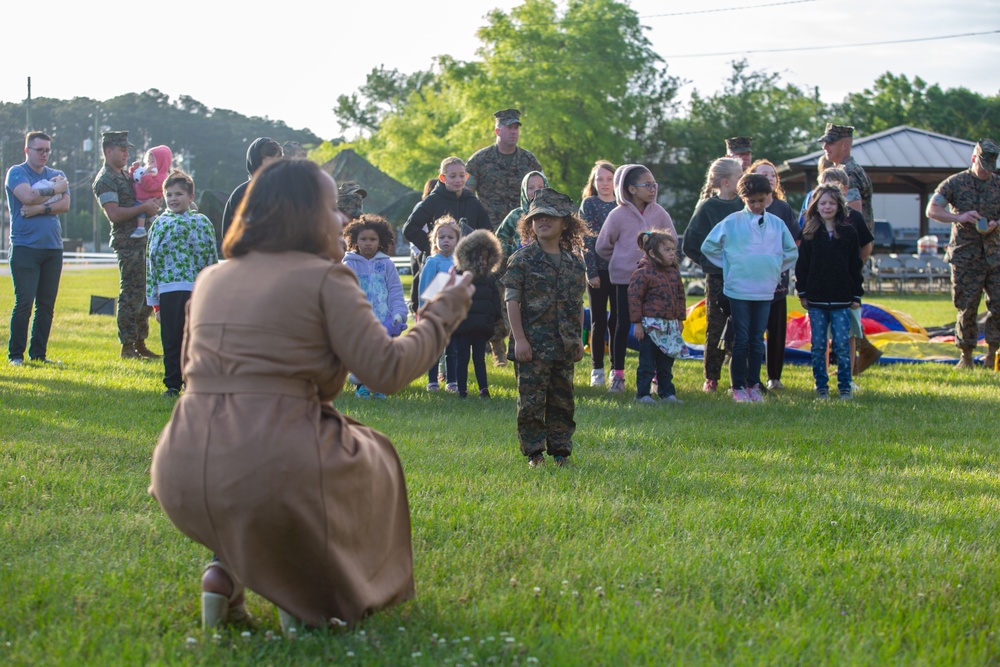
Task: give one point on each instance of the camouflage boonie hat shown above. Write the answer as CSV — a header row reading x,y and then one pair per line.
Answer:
x,y
987,150
116,138
737,145
836,133
508,117
549,202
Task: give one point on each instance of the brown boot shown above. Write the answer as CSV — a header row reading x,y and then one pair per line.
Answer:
x,y
966,361
868,354
128,352
145,352
991,357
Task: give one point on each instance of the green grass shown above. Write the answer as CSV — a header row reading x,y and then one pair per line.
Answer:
x,y
795,532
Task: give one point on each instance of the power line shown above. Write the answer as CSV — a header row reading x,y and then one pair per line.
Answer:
x,y
727,9
830,46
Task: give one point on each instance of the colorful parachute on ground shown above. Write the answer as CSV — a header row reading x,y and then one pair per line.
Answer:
x,y
900,338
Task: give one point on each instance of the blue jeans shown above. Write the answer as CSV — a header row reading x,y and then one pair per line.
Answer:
x,y
839,322
749,321
35,273
654,361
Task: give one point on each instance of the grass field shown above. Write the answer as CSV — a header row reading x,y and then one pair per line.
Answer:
x,y
795,532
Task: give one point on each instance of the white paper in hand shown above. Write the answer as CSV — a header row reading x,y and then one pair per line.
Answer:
x,y
438,283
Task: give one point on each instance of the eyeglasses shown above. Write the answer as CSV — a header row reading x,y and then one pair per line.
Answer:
x,y
652,185
40,151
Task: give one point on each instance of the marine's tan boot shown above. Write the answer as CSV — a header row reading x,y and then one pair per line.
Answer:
x,y
145,352
868,354
966,361
991,357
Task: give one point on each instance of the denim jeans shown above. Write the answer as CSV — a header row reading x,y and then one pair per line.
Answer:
x,y
839,322
749,319
451,364
654,361
35,273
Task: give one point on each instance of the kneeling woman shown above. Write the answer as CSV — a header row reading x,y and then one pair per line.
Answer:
x,y
300,503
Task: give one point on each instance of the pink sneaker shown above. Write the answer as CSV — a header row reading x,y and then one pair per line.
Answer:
x,y
756,395
710,386
741,396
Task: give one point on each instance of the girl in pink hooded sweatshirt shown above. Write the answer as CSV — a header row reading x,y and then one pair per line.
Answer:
x,y
637,211
148,177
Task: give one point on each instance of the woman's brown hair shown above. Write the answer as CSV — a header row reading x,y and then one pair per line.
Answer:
x,y
283,209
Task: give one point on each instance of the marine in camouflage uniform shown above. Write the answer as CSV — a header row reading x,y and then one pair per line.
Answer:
x,y
961,200
113,186
841,137
351,199
549,290
495,175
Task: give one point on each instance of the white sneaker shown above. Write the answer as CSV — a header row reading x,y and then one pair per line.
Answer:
x,y
597,377
617,385
645,399
137,233
774,385
671,399
854,387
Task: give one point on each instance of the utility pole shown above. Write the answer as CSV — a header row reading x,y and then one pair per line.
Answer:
x,y
98,153
28,106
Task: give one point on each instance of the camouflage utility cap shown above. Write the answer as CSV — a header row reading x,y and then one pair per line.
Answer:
x,y
116,138
737,145
987,150
293,149
508,117
836,133
549,202
352,188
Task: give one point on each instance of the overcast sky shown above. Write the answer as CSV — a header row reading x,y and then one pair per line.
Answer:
x,y
289,60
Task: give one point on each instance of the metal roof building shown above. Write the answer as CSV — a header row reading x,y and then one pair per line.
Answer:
x,y
900,160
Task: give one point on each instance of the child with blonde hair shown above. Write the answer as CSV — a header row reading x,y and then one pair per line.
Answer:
x,y
444,235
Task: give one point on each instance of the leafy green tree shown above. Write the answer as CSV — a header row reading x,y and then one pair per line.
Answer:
x,y
895,100
782,119
586,80
384,92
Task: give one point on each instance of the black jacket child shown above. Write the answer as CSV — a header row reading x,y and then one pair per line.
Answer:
x,y
442,201
480,254
828,271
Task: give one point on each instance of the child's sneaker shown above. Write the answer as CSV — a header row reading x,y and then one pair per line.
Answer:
x,y
353,379
854,387
671,399
138,233
845,396
561,460
451,387
822,394
484,394
756,395
378,395
617,385
741,396
432,386
463,394
710,386
536,461
363,392
597,377
644,399
654,386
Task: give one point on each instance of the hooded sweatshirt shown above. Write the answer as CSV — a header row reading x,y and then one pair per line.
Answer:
x,y
510,240
442,201
752,255
617,240
254,161
380,282
149,185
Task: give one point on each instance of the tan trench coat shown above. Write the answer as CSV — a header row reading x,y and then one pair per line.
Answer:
x,y
306,506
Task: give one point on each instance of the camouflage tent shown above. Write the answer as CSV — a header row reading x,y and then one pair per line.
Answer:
x,y
386,196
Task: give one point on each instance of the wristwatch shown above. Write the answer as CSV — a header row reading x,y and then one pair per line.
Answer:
x,y
48,210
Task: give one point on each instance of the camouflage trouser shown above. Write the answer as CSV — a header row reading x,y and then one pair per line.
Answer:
x,y
545,407
968,282
133,313
715,323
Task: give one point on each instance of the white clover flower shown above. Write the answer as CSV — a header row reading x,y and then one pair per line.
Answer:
x,y
191,640
415,654
350,654
536,591
245,634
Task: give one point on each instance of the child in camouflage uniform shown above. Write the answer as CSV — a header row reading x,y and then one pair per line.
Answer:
x,y
545,281
181,243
